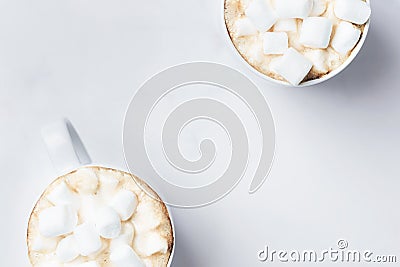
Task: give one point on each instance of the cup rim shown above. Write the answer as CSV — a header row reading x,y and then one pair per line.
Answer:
x,y
324,78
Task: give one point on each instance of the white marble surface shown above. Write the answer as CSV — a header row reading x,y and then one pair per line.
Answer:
x,y
336,171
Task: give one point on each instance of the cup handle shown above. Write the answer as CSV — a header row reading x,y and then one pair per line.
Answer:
x,y
65,148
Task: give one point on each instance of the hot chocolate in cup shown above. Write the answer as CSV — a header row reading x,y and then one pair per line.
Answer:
x,y
95,216
297,42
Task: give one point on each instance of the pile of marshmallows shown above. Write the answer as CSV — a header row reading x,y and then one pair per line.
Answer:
x,y
100,221
315,31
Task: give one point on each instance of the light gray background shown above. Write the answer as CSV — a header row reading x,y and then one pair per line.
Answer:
x,y
336,171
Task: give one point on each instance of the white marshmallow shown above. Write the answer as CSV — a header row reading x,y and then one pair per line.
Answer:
x,y
291,9
274,63
43,244
244,27
319,59
261,14
90,204
255,52
126,236
286,25
316,32
124,203
146,217
57,221
319,7
62,195
124,256
150,243
355,11
293,66
345,38
108,223
108,183
275,43
87,239
334,59
67,250
84,180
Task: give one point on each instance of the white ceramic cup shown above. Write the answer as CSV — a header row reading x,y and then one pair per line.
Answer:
x,y
326,77
68,153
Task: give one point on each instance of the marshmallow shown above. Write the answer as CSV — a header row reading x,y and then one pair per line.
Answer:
x,y
90,204
84,180
261,14
108,183
355,11
274,63
67,250
62,195
150,243
87,239
124,256
146,218
286,25
43,244
57,221
334,58
345,38
244,27
124,203
275,43
316,32
126,236
107,223
291,9
255,52
319,7
319,59
293,66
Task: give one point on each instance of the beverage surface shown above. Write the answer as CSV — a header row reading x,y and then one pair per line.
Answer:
x,y
99,217
296,40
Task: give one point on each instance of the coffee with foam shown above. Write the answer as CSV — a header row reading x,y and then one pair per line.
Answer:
x,y
99,217
296,40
